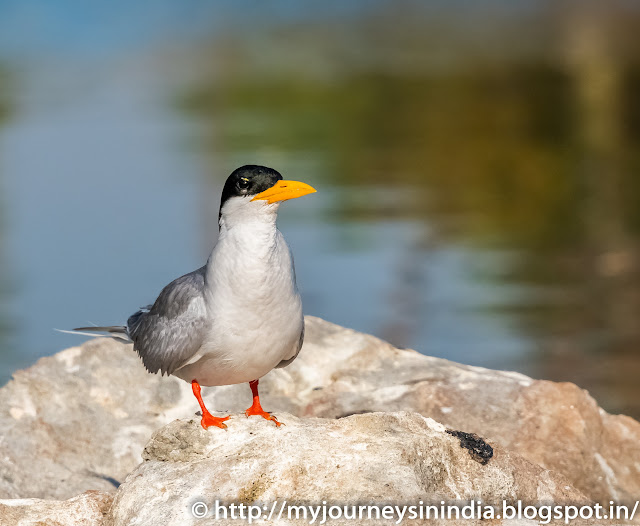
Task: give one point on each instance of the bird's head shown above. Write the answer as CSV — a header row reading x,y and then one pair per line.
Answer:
x,y
255,189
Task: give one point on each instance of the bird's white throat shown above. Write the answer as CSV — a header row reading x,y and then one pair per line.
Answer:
x,y
251,256
243,211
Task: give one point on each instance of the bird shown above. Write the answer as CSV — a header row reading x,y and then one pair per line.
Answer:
x,y
237,317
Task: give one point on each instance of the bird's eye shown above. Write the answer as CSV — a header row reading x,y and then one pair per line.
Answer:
x,y
243,183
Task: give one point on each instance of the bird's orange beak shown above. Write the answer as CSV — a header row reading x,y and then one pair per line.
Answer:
x,y
283,190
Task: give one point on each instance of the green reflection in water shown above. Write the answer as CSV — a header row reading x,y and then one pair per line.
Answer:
x,y
531,153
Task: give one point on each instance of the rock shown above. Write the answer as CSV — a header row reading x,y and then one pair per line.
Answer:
x,y
87,412
555,425
389,458
88,509
85,415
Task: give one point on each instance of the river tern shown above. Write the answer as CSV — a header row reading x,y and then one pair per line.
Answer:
x,y
240,315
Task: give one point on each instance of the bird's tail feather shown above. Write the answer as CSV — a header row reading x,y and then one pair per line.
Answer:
x,y
114,329
117,332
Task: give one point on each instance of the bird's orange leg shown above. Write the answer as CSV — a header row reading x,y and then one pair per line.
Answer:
x,y
208,419
256,408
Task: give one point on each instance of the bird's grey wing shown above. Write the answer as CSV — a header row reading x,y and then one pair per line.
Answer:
x,y
169,332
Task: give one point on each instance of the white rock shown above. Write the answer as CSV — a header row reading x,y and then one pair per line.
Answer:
x,y
406,460
86,413
88,509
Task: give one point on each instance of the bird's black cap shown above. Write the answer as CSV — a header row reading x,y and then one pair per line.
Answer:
x,y
248,180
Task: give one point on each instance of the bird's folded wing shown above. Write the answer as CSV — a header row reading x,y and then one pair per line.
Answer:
x,y
171,331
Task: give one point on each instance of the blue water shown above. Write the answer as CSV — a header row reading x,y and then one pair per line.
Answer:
x,y
103,204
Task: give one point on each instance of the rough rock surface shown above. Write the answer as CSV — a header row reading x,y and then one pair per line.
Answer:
x,y
391,458
556,425
87,412
88,509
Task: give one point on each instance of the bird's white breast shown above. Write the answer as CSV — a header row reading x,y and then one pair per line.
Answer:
x,y
254,308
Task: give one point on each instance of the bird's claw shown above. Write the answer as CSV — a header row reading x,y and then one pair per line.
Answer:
x,y
260,412
208,420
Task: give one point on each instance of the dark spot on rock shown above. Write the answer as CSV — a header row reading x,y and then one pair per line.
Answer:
x,y
317,388
420,380
351,413
479,450
253,492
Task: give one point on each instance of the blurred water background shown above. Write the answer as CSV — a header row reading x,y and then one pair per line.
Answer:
x,y
476,164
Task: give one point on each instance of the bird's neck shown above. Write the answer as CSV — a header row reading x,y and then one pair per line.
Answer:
x,y
255,228
254,236
241,212
248,239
